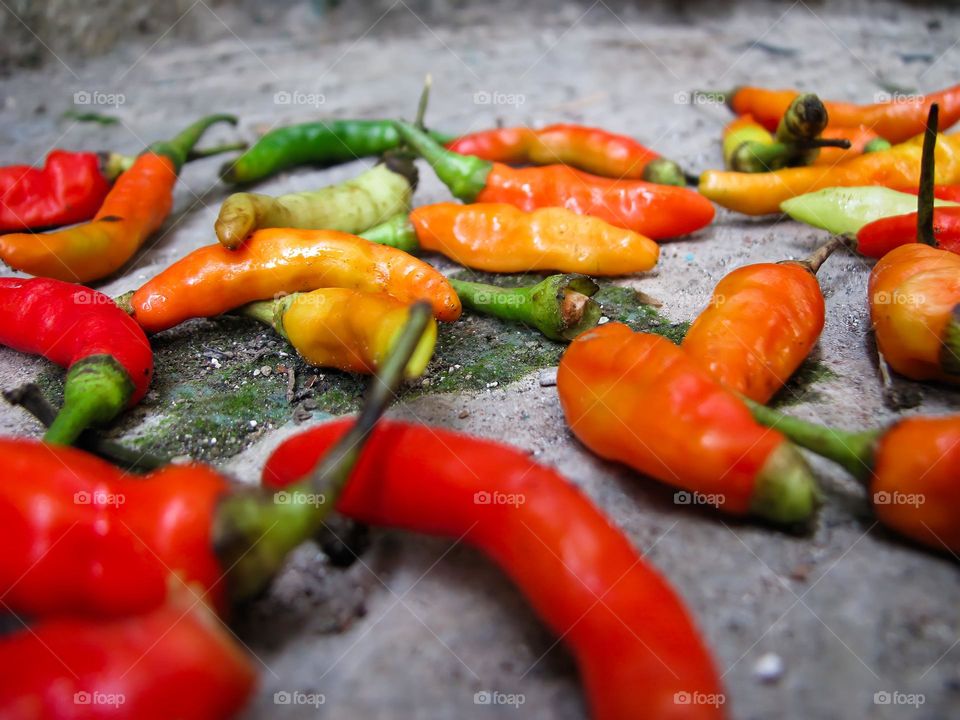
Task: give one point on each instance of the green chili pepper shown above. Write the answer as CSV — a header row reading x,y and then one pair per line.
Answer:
x,y
844,210
560,306
396,232
327,142
352,206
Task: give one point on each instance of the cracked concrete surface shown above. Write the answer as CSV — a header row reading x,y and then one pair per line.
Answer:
x,y
420,625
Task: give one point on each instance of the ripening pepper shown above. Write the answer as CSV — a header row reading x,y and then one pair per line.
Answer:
x,y
212,279
762,322
910,467
590,149
134,209
345,329
108,358
878,238
498,237
172,662
896,120
636,647
352,206
641,400
657,211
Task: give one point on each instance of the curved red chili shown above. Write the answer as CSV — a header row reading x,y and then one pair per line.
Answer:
x,y
636,647
107,356
881,236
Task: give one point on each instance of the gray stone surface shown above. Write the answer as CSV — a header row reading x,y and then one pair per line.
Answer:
x,y
417,627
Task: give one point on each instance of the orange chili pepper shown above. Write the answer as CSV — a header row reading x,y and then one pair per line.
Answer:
x,y
762,322
860,137
762,193
133,210
497,237
911,469
641,400
896,120
212,280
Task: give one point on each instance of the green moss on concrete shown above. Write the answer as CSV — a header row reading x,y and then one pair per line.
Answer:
x,y
209,399
800,388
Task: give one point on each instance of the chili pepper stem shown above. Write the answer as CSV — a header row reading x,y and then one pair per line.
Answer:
x,y
397,232
851,450
96,389
560,306
664,171
124,301
820,255
254,532
784,491
177,148
950,352
925,232
877,145
31,399
465,175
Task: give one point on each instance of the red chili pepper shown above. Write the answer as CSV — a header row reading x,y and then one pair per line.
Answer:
x,y
107,356
591,149
657,211
639,399
881,236
941,192
67,189
171,663
636,647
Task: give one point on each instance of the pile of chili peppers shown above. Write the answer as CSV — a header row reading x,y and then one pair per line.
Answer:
x,y
129,611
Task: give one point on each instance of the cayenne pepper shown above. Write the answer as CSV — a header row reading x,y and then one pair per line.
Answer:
x,y
657,211
108,358
636,647
641,400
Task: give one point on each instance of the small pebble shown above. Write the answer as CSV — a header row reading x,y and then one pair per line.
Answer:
x,y
253,423
548,377
463,414
266,370
768,668
492,384
603,320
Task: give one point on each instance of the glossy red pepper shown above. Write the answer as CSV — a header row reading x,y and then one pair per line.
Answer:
x,y
174,662
107,356
594,150
881,236
69,188
657,211
637,649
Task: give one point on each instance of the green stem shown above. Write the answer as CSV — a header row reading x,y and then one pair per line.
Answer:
x,y
179,147
465,175
397,232
754,156
31,399
804,120
560,306
819,256
424,100
254,531
925,232
265,311
96,389
112,164
877,145
950,352
854,451
664,171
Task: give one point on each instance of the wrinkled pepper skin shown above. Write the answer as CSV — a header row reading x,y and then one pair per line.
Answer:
x,y
659,212
173,662
920,457
498,237
635,650
68,189
212,279
108,359
762,193
84,538
639,399
914,291
348,329
134,209
896,121
881,236
760,325
593,150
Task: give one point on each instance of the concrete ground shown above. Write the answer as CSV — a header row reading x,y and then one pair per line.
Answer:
x,y
804,626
